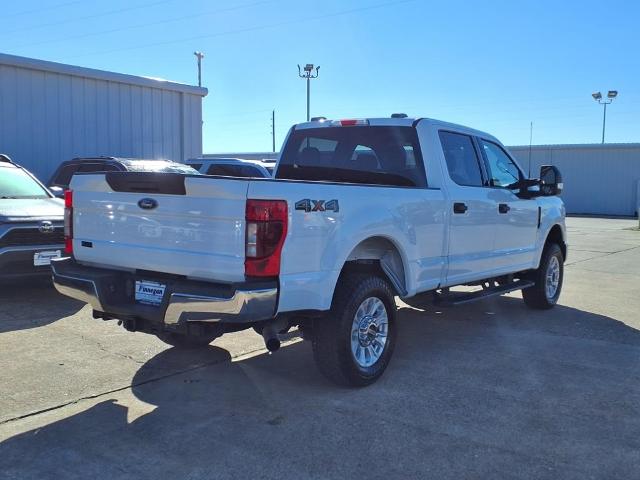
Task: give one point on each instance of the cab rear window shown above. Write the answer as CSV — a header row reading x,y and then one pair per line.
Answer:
x,y
375,155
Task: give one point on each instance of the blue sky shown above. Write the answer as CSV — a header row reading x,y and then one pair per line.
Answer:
x,y
493,65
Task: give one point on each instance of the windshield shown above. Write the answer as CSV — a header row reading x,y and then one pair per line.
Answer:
x,y
369,155
16,183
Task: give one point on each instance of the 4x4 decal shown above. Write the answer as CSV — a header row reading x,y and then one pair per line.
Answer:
x,y
317,205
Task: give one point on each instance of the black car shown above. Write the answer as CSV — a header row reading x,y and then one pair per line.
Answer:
x,y
62,176
31,224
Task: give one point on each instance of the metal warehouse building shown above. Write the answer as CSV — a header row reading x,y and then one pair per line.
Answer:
x,y
50,112
601,179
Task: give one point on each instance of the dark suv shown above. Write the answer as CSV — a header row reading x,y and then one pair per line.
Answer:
x,y
31,223
62,176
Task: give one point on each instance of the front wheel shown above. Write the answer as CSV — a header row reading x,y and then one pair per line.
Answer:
x,y
353,344
548,278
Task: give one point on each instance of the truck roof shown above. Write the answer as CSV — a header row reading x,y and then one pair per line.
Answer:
x,y
395,121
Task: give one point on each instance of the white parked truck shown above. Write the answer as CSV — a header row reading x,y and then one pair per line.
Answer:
x,y
359,212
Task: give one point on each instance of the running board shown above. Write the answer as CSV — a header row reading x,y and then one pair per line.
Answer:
x,y
460,298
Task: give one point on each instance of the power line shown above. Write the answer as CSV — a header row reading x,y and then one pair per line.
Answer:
x,y
221,120
142,25
89,17
239,114
38,10
250,29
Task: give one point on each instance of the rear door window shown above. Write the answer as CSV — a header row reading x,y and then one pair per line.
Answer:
x,y
377,155
462,159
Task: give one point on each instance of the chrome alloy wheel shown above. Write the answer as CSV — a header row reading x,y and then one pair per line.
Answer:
x,y
369,332
552,277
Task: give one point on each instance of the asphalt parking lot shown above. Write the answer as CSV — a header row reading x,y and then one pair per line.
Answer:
x,y
489,390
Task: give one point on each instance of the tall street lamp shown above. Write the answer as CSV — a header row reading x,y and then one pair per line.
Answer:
x,y
597,96
308,75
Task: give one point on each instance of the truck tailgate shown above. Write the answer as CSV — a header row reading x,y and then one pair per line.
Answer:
x,y
184,225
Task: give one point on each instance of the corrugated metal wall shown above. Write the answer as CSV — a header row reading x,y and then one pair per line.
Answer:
x,y
47,117
598,179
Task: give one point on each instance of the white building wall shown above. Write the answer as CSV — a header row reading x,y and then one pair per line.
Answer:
x,y
52,112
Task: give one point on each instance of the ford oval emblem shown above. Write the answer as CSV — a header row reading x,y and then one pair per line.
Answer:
x,y
147,203
46,227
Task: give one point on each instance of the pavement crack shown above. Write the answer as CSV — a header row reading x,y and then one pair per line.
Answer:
x,y
570,264
118,354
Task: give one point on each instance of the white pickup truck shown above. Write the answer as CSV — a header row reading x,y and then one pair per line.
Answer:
x,y
359,212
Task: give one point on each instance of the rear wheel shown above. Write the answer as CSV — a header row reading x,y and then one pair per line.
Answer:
x,y
548,280
353,344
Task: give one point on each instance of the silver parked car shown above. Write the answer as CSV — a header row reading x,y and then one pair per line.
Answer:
x,y
31,224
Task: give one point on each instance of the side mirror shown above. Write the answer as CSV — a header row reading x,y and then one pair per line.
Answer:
x,y
550,181
58,192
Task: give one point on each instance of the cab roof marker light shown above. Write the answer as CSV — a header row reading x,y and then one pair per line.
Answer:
x,y
350,122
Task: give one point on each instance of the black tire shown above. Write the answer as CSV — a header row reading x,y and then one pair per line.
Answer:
x,y
185,341
536,296
332,334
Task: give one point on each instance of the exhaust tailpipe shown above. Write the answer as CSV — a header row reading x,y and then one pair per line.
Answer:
x,y
270,337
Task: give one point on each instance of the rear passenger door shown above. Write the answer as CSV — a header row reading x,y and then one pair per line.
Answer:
x,y
517,231
472,211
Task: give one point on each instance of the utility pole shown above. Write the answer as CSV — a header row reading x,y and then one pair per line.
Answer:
x,y
199,56
597,96
308,75
273,130
530,142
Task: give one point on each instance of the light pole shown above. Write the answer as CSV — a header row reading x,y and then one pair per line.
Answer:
x,y
199,56
597,96
308,74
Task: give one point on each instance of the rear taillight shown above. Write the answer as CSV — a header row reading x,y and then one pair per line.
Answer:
x,y
266,230
68,222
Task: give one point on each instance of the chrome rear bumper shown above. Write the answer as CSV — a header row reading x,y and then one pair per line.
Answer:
x,y
111,292
244,306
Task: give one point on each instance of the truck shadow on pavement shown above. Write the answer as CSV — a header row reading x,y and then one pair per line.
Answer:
x,y
485,391
31,304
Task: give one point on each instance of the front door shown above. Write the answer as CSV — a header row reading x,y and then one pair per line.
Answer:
x,y
516,234
472,212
